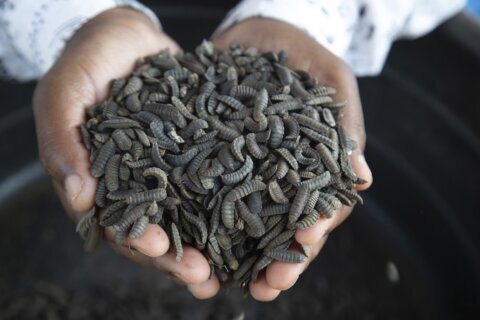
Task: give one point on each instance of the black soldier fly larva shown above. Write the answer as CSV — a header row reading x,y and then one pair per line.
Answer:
x,y
229,151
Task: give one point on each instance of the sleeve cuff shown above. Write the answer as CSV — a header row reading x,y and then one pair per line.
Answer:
x,y
329,23
360,32
37,31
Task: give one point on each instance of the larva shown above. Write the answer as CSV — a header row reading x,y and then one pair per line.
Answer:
x,y
327,158
138,228
198,223
280,239
177,242
277,128
118,123
101,193
158,174
121,139
236,148
255,150
276,193
285,255
133,85
288,157
132,102
98,166
316,183
307,220
112,172
284,106
271,234
149,195
256,227
298,204
237,176
131,214
85,223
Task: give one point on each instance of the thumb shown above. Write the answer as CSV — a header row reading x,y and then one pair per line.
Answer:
x,y
58,115
347,90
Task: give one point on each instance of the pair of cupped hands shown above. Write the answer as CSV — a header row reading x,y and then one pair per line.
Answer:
x,y
105,48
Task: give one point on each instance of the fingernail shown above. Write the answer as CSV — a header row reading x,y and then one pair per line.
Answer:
x,y
363,162
73,187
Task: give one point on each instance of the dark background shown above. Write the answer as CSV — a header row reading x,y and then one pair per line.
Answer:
x,y
423,123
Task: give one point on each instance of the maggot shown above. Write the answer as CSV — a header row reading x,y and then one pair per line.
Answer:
x,y
101,193
112,172
98,166
257,151
149,195
138,228
133,85
298,204
85,223
288,157
237,193
276,126
177,242
237,176
121,139
308,220
316,183
285,255
272,233
236,147
256,227
287,105
158,174
131,214
224,132
276,192
327,158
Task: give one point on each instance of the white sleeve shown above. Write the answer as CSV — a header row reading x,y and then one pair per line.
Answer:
x,y
360,32
33,33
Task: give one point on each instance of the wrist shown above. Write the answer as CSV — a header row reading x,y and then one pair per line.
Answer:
x,y
120,28
124,16
119,20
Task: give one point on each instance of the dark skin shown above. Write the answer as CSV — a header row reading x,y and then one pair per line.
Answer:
x,y
304,54
103,49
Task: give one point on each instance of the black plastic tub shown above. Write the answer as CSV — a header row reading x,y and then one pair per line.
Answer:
x,y
420,218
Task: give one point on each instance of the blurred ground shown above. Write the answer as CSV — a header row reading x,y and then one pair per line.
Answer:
x,y
51,278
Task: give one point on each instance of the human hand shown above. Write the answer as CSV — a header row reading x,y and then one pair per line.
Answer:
x,y
304,54
103,49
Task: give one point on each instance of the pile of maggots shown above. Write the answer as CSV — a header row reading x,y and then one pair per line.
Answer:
x,y
227,150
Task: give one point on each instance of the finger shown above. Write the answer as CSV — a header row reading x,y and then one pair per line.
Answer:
x,y
136,257
205,290
192,269
362,170
322,227
58,116
153,243
261,291
75,215
283,275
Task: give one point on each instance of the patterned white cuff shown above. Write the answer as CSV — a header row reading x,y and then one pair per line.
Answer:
x,y
33,33
360,32
331,23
